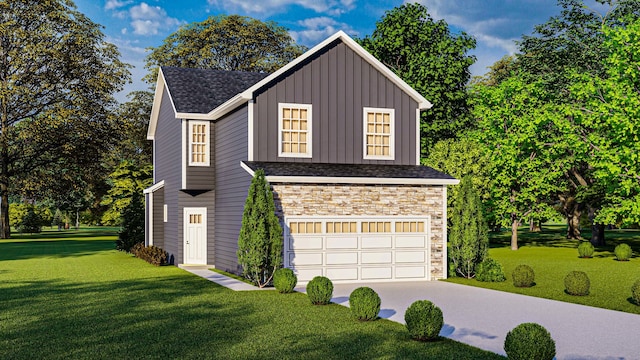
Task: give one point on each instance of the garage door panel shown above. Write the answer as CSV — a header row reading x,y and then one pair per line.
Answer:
x,y
376,273
410,241
350,273
410,271
376,242
411,257
377,258
305,243
305,275
342,242
302,259
342,258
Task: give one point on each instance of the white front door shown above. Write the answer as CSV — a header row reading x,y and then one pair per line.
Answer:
x,y
195,236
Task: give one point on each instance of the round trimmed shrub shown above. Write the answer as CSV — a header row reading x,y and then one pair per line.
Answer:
x,y
635,292
577,283
585,250
529,341
423,320
284,280
490,270
364,303
320,290
623,252
523,276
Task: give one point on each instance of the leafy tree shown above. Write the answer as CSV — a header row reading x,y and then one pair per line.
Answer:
x,y
225,42
261,240
132,232
434,61
57,77
126,180
31,222
468,236
131,129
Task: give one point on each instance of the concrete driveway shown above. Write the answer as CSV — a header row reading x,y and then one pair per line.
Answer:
x,y
482,318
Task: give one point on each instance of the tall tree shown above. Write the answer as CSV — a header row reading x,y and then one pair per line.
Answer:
x,y
57,77
127,179
225,42
433,60
132,121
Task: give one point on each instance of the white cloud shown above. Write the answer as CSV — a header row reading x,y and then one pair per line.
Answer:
x,y
115,4
147,20
329,7
319,28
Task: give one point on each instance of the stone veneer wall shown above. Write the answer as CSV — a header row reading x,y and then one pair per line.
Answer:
x,y
372,200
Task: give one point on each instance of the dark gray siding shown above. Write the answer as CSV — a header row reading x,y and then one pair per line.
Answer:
x,y
202,200
339,84
201,177
232,184
158,217
168,167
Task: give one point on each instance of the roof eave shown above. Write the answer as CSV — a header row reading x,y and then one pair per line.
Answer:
x,y
161,85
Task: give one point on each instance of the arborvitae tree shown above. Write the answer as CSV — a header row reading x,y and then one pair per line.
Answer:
x,y
260,241
31,222
468,237
132,224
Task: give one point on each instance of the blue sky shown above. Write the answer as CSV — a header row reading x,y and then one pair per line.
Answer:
x,y
134,25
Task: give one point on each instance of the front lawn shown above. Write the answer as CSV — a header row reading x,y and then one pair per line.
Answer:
x,y
552,257
70,295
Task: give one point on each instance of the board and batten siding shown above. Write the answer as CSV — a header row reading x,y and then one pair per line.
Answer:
x,y
232,185
158,217
201,177
338,83
167,167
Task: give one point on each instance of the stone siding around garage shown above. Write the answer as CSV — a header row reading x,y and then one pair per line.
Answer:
x,y
367,200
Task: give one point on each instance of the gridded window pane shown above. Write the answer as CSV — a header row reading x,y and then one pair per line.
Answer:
x,y
378,133
294,129
305,227
199,143
410,226
376,227
341,227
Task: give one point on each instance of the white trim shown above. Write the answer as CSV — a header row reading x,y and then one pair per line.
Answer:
x,y
365,112
186,211
250,130
445,259
418,142
359,180
150,228
161,85
165,213
309,109
207,154
183,136
154,187
153,160
247,168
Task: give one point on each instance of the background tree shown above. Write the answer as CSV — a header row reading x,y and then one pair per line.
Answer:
x,y
57,77
468,236
131,124
132,232
260,241
225,42
126,180
434,61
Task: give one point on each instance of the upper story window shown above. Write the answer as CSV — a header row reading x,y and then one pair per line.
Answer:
x,y
199,143
378,134
294,130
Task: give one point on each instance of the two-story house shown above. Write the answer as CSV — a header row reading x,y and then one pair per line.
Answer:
x,y
338,136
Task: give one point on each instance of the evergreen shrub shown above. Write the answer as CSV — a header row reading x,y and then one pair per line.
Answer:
x,y
284,280
423,320
529,341
585,250
132,232
623,252
577,283
490,270
31,222
523,276
635,292
320,290
364,304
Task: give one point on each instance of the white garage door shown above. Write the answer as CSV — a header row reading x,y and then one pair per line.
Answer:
x,y
358,249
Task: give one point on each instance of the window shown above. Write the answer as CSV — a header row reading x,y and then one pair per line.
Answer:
x,y
376,227
198,143
378,133
294,130
341,227
305,227
410,226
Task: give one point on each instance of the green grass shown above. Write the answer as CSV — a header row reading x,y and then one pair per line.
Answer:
x,y
552,257
70,295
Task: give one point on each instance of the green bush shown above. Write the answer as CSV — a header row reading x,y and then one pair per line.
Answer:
x,y
623,252
364,303
523,276
284,280
31,222
577,283
529,341
585,249
132,231
423,320
490,270
320,290
635,292
151,254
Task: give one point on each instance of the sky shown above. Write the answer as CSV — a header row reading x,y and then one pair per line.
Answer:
x,y
135,25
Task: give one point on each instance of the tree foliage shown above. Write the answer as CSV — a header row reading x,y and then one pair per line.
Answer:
x,y
261,240
132,232
126,180
57,77
468,236
225,42
433,60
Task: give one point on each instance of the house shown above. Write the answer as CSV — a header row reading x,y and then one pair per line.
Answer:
x,y
337,134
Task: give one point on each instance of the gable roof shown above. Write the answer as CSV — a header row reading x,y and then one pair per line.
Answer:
x,y
294,172
244,95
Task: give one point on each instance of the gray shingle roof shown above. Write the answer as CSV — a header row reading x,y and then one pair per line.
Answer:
x,y
201,90
348,170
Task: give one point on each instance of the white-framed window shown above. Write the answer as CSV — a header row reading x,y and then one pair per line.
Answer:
x,y
165,212
378,134
199,143
294,130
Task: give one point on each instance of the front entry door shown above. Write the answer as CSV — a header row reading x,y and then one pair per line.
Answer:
x,y
195,236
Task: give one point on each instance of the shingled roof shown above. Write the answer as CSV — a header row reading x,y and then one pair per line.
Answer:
x,y
198,91
328,172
